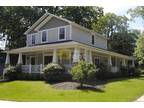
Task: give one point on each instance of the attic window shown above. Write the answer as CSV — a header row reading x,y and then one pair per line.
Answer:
x,y
61,33
93,40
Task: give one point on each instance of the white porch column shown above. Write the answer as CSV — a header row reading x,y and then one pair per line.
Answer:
x,y
20,61
55,58
133,63
123,62
90,57
76,55
86,55
110,61
7,62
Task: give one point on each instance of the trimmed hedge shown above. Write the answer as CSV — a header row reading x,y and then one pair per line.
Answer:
x,y
54,73
12,72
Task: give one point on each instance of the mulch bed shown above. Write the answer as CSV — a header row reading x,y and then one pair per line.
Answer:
x,y
76,86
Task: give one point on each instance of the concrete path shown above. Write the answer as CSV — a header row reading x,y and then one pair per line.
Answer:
x,y
141,99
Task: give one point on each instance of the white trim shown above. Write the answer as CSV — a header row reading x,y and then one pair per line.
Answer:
x,y
59,33
42,23
71,44
36,23
70,33
46,36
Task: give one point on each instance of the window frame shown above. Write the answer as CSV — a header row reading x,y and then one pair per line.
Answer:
x,y
42,36
59,33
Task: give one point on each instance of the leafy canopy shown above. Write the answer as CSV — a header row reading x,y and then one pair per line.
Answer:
x,y
139,50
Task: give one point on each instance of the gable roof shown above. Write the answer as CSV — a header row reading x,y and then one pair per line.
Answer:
x,y
47,16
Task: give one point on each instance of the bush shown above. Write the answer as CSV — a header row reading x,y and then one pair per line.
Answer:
x,y
83,72
54,72
103,71
31,76
12,72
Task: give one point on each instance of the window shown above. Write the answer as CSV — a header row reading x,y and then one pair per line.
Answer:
x,y
97,60
33,39
93,40
61,33
44,36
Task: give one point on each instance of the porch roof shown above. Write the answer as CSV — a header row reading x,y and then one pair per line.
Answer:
x,y
66,44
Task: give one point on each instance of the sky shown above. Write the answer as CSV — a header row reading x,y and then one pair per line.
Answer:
x,y
118,10
138,23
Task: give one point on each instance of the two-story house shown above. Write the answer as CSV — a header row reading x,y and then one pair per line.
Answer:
x,y
58,40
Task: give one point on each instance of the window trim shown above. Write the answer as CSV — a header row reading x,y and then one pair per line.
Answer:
x,y
46,36
59,33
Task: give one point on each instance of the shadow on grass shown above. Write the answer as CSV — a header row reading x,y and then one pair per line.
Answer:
x,y
90,88
125,79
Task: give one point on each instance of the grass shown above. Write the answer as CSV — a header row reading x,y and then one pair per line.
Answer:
x,y
116,90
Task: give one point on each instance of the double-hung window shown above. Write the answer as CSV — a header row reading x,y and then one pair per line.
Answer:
x,y
33,39
93,40
44,36
62,33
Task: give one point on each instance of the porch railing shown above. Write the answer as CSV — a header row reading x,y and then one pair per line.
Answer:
x,y
32,68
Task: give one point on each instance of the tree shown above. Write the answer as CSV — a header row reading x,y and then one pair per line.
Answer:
x,y
84,16
110,23
84,72
14,21
137,12
139,50
122,42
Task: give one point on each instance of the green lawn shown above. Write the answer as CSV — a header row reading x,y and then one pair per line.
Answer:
x,y
116,90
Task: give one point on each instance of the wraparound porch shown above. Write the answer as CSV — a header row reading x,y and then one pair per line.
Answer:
x,y
33,59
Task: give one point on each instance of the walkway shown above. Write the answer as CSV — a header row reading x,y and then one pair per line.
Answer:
x,y
141,99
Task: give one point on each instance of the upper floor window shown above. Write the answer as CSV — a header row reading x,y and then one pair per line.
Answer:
x,y
62,33
93,40
44,36
33,39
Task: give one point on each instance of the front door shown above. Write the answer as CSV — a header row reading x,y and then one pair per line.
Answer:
x,y
47,59
32,60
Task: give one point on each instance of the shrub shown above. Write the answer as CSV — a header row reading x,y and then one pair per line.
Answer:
x,y
54,72
12,72
124,70
83,72
103,72
31,76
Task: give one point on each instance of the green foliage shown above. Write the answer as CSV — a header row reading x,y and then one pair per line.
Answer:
x,y
137,12
12,73
83,15
31,76
139,50
103,71
54,72
122,42
129,71
111,23
84,72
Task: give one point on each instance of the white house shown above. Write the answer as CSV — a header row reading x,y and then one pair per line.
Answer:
x,y
55,39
